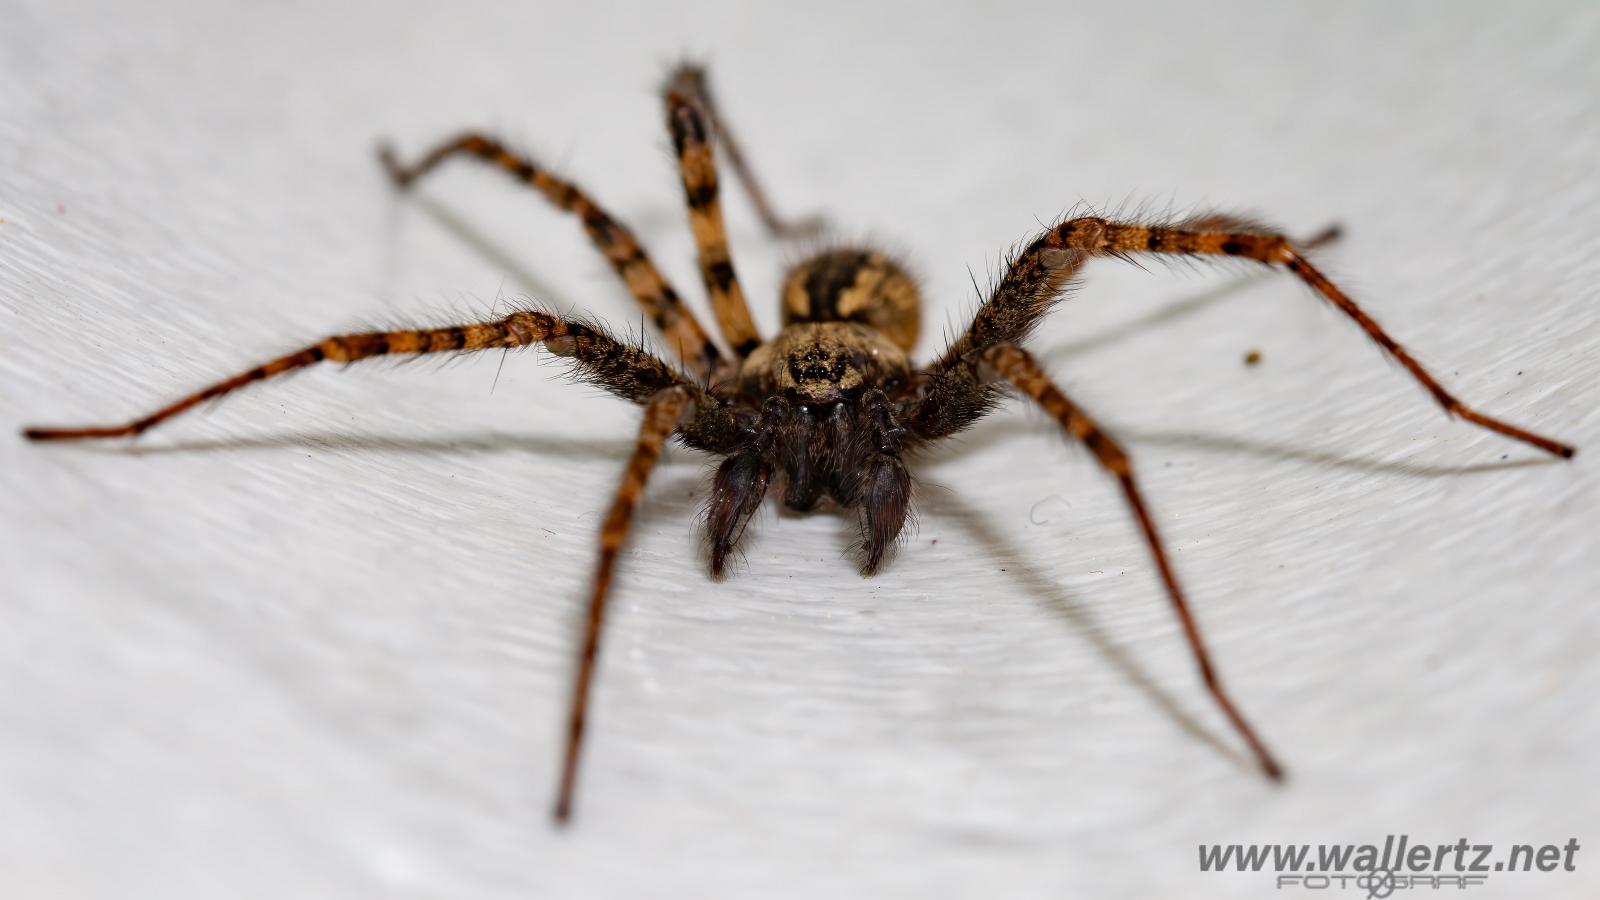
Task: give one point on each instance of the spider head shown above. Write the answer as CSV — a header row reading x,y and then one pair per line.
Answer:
x,y
824,362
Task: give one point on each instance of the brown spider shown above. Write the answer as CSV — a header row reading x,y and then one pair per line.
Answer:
x,y
827,408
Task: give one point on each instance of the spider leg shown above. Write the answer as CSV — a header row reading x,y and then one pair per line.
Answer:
x,y
736,492
621,368
689,79
1015,365
662,415
1219,236
691,139
648,286
1034,281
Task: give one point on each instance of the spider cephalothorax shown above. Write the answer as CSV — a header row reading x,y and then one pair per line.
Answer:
x,y
827,428
828,407
819,403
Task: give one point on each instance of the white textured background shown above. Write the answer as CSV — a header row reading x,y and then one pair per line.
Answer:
x,y
316,641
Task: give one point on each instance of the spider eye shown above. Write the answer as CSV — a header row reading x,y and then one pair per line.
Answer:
x,y
815,364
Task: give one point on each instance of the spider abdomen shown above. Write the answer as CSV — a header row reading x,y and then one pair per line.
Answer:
x,y
854,285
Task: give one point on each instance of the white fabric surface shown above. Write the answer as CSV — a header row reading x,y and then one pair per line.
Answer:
x,y
316,641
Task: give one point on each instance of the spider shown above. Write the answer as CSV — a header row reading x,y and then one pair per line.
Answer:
x,y
826,411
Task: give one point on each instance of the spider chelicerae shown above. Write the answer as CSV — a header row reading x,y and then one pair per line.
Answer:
x,y
828,409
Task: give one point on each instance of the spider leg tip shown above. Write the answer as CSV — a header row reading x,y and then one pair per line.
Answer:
x,y
1556,448
38,435
82,434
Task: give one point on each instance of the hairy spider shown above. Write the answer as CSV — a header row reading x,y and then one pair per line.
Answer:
x,y
829,407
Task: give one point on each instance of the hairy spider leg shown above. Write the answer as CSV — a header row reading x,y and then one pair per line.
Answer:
x,y
662,415
691,139
1017,366
1034,281
690,80
1220,236
621,368
613,239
